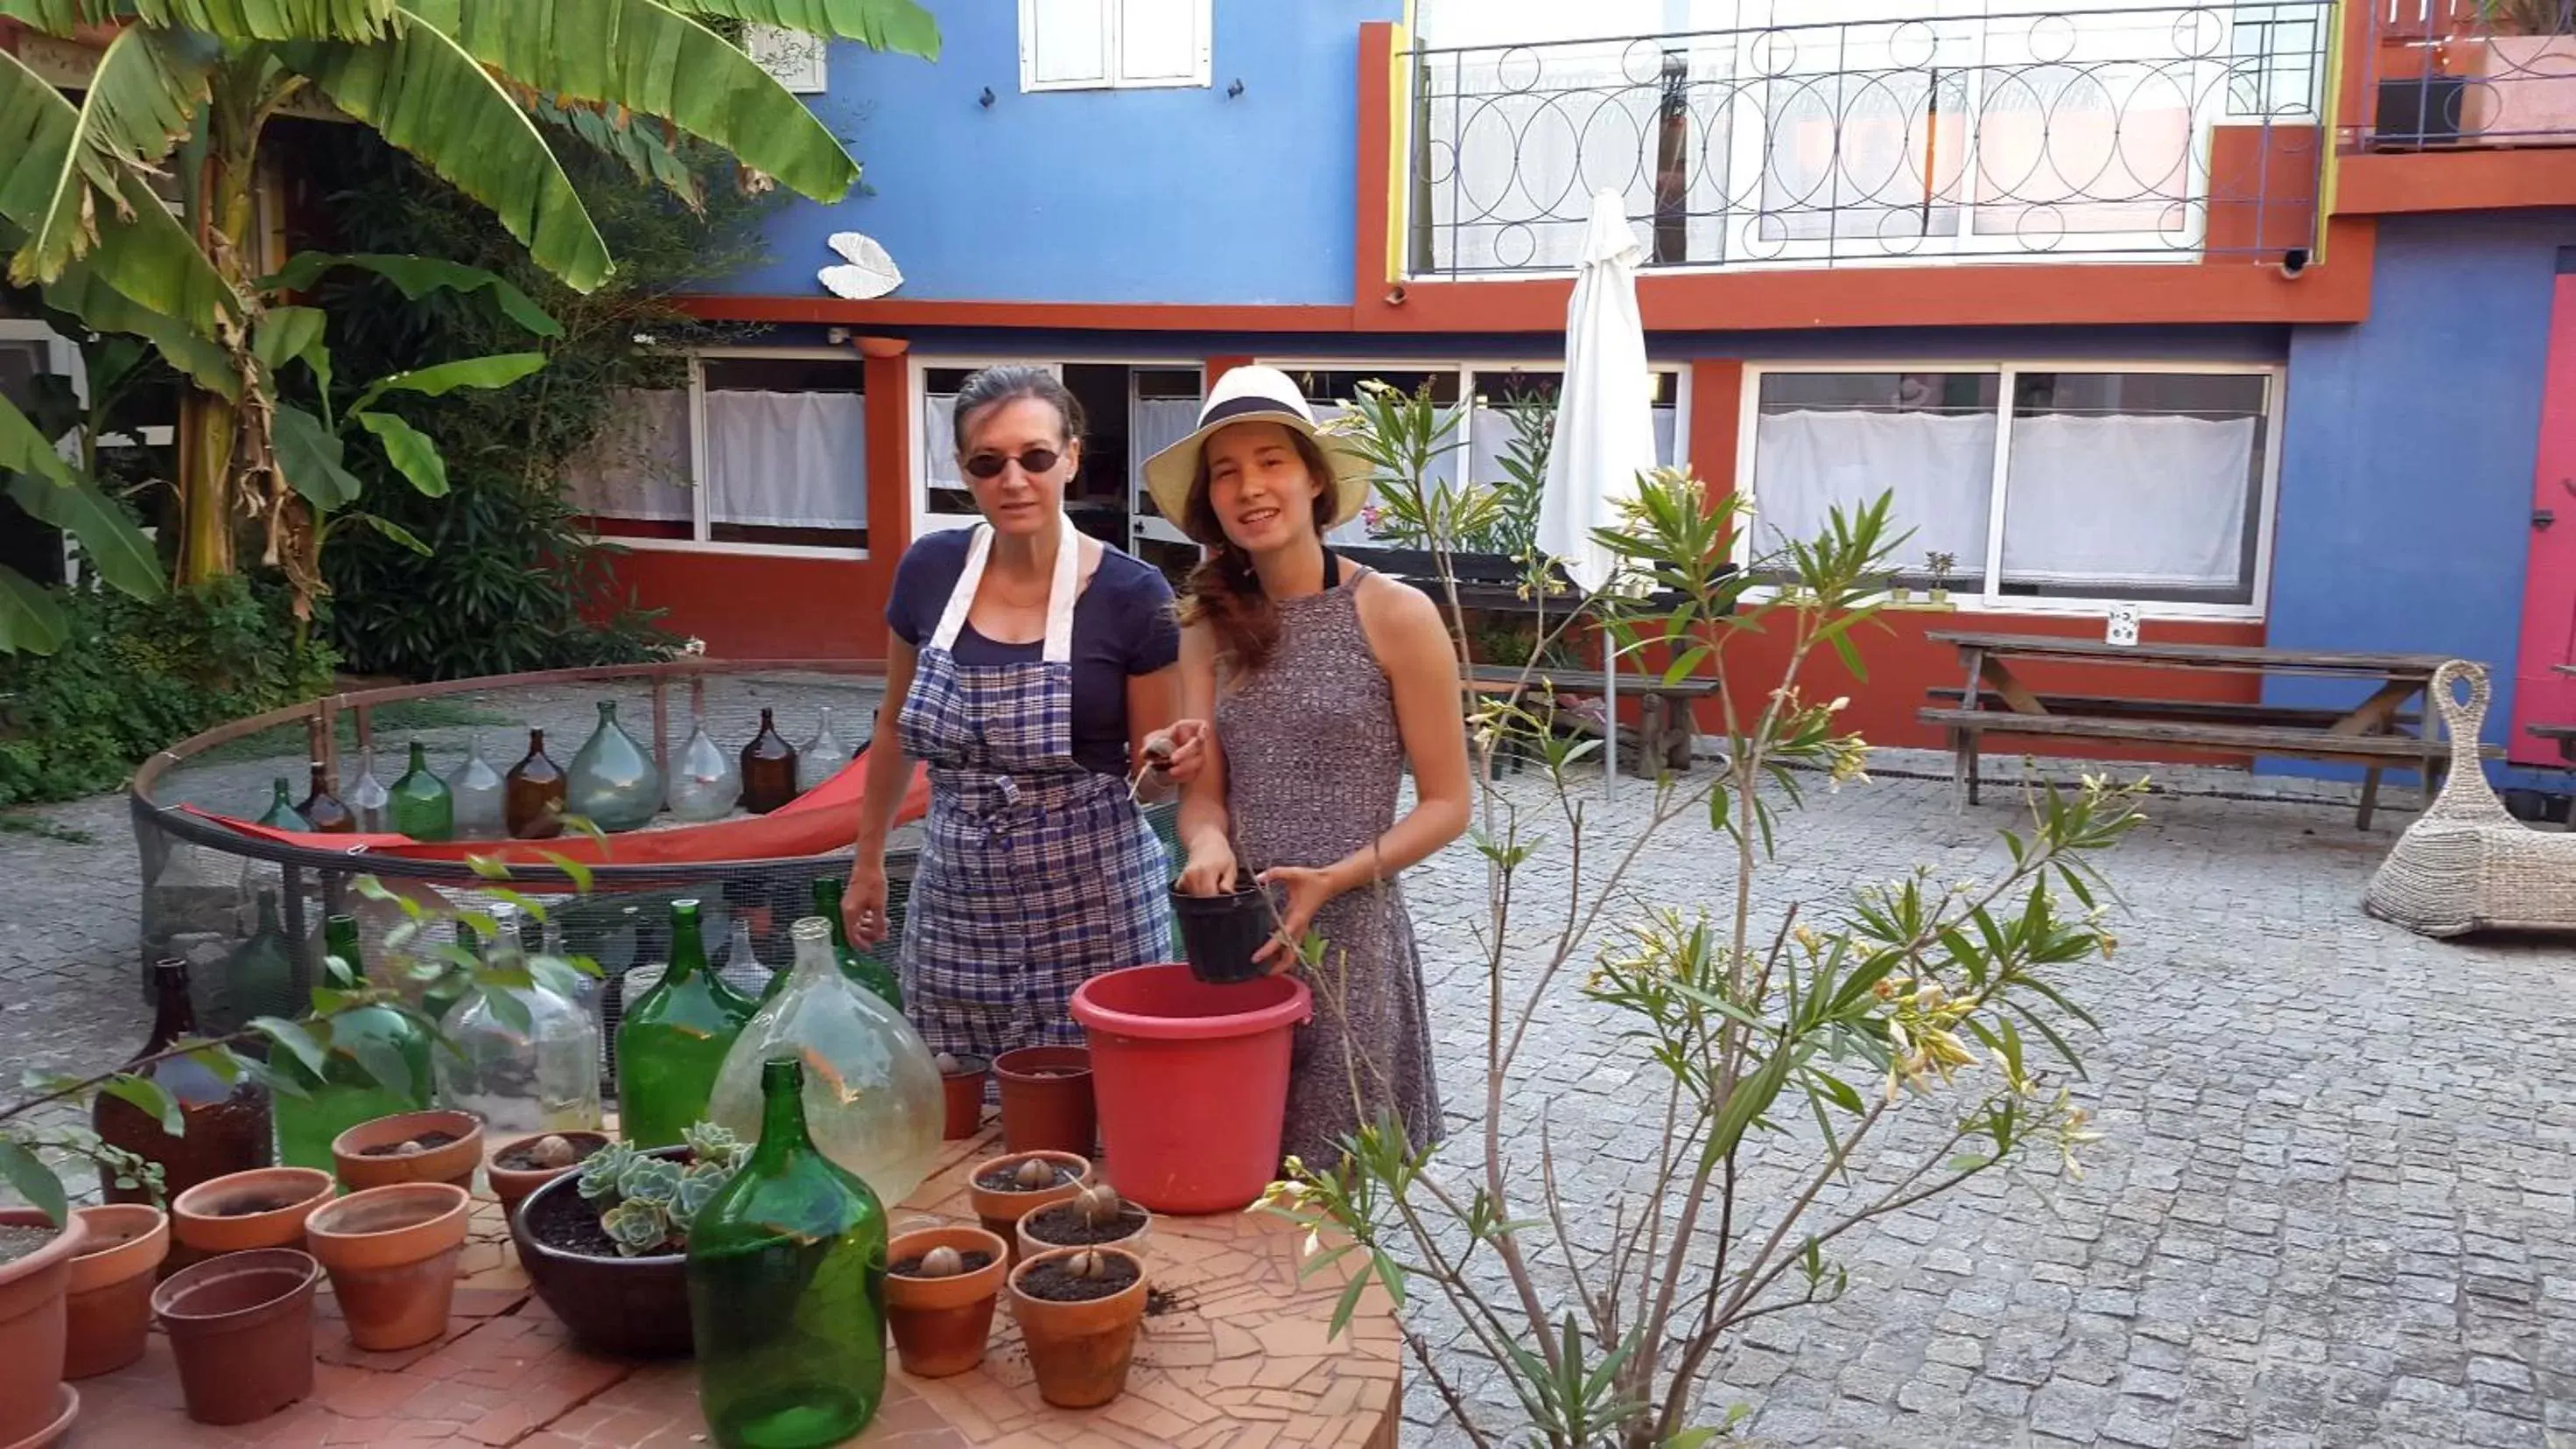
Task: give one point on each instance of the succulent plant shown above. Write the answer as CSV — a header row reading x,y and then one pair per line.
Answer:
x,y
636,1227
647,1204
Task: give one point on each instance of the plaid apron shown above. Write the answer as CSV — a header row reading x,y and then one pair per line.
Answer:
x,y
1036,874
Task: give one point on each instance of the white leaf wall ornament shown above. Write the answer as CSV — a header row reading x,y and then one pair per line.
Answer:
x,y
866,271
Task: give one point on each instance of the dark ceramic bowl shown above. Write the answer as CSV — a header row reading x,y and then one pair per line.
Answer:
x,y
628,1307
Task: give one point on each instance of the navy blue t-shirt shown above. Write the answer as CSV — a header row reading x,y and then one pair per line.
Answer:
x,y
1122,626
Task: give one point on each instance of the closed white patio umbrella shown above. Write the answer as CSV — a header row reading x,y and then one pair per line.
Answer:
x,y
1605,419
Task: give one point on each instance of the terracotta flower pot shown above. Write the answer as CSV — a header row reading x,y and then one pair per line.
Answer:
x,y
1079,1350
965,1088
625,1307
940,1325
1000,1209
241,1211
391,1253
32,1325
453,1161
241,1327
109,1302
1046,1100
67,1407
1033,1241
513,1184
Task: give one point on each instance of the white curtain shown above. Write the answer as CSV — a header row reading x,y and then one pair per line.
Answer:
x,y
787,459
1940,469
2127,500
638,466
1490,436
939,439
1153,424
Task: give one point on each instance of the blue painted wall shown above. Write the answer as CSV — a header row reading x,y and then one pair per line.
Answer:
x,y
2408,452
1178,195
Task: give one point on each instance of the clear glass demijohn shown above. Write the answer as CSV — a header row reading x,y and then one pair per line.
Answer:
x,y
613,781
873,1099
540,1075
821,757
479,795
705,782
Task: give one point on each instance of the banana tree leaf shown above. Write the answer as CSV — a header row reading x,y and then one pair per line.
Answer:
x,y
418,277
646,149
498,370
424,93
25,449
286,333
63,185
651,59
275,19
123,555
410,451
30,621
102,308
309,455
392,530
896,25
62,17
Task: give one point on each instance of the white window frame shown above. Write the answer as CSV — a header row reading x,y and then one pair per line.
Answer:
x,y
1986,597
799,61
700,528
1469,371
917,397
1114,21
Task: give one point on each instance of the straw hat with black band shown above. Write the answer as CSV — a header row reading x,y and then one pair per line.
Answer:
x,y
1253,393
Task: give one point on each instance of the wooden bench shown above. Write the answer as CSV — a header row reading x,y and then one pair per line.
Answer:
x,y
2375,734
2563,736
1667,730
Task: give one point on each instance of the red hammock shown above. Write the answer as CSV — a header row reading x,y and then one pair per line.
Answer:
x,y
821,821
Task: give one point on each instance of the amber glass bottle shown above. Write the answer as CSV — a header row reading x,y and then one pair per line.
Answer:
x,y
227,1124
768,769
323,809
536,794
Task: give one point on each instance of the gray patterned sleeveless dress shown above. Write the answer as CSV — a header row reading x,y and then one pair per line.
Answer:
x,y
1313,762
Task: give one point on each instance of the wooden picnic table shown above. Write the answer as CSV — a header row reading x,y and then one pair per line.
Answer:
x,y
2377,733
1666,730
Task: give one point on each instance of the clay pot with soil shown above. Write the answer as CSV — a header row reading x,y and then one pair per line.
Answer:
x,y
1005,1189
35,1269
242,1211
434,1146
241,1327
941,1284
108,1304
628,1306
523,1164
391,1253
1046,1100
1096,1217
962,1078
1078,1309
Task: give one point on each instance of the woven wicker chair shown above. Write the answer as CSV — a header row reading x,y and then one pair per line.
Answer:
x,y
2465,864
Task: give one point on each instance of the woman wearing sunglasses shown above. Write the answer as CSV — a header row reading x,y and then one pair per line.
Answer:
x,y
1025,663
1308,687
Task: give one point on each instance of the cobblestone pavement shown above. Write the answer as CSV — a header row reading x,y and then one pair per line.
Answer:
x,y
2333,1205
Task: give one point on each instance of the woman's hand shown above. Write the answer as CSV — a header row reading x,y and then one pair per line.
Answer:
x,y
863,902
1306,892
1181,751
1210,871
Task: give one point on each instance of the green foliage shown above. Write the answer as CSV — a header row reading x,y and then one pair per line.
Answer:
x,y
133,675
511,580
1403,435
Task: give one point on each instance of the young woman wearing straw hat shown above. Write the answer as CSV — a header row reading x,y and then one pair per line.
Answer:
x,y
1307,688
1026,664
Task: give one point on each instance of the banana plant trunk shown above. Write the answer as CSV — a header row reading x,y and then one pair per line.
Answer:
x,y
207,432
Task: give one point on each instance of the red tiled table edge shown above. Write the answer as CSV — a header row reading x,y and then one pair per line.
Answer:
x,y
1242,1358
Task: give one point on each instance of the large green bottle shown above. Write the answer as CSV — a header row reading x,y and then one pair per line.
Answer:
x,y
346,1093
859,966
281,813
673,1040
422,806
787,1268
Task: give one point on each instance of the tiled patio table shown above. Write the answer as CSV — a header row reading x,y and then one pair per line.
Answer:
x,y
1236,1354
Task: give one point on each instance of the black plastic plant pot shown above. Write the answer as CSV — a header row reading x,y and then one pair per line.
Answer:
x,y
1219,934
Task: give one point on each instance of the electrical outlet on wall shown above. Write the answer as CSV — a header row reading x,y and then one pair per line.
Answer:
x,y
2123,626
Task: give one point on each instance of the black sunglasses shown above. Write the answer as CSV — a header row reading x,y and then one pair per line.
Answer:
x,y
1032,462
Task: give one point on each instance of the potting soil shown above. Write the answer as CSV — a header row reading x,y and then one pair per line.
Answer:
x,y
523,1158
253,1206
972,1260
563,1220
1056,1283
18,1242
424,1142
1064,1226
1006,1178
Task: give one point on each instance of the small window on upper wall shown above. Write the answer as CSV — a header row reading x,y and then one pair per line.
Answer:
x,y
1068,45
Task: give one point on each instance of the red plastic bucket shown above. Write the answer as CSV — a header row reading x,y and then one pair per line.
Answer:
x,y
1192,1081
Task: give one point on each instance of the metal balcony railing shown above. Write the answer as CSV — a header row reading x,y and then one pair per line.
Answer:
x,y
2465,73
2087,131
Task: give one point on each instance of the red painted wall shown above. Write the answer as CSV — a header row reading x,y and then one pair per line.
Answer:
x,y
749,607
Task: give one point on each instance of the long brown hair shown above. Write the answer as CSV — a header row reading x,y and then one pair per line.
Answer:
x,y
1224,592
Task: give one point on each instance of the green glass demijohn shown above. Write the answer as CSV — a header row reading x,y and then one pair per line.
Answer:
x,y
420,805
672,1040
859,966
282,814
258,979
613,782
378,1065
787,1266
